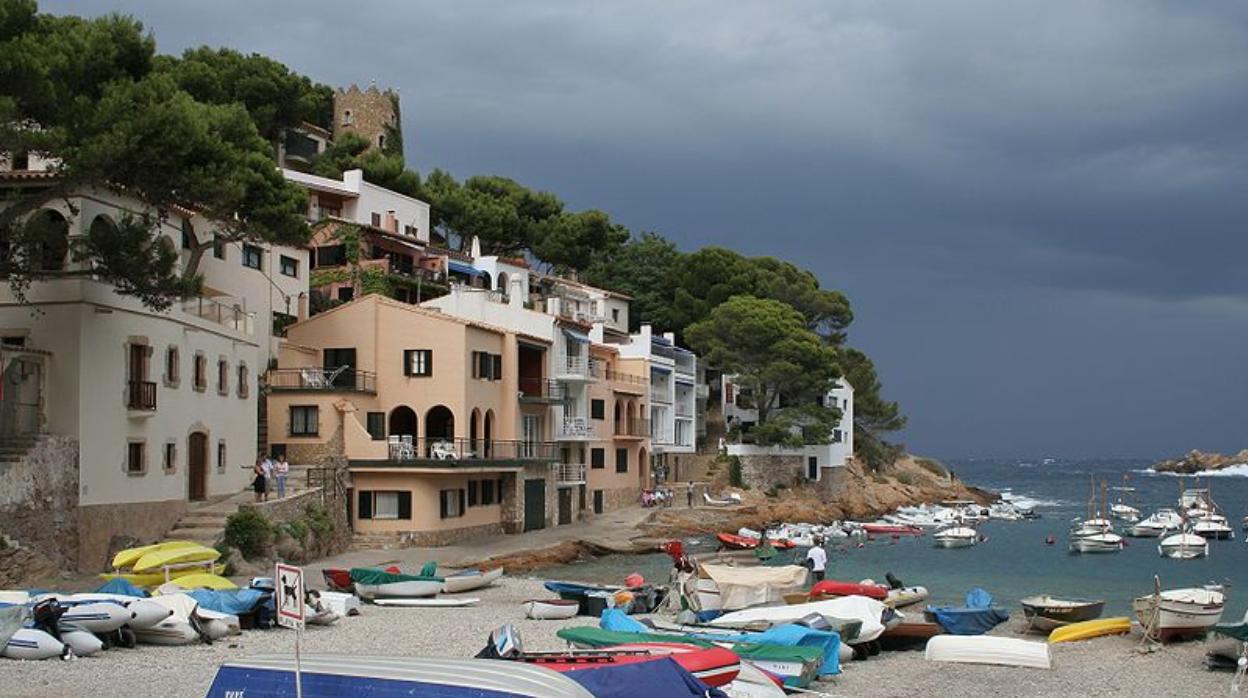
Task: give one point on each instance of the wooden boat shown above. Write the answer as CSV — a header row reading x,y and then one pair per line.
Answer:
x,y
988,649
126,558
714,666
372,584
1183,546
909,633
831,587
1175,613
468,580
390,677
1089,629
1048,612
29,643
551,609
440,602
155,560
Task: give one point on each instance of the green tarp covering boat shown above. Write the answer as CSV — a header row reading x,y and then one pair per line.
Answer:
x,y
372,575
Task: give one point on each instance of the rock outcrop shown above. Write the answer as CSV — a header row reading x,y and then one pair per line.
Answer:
x,y
1196,461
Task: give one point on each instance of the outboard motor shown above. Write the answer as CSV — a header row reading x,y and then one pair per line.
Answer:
x,y
504,643
46,616
893,581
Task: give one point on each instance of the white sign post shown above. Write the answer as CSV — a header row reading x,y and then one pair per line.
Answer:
x,y
290,610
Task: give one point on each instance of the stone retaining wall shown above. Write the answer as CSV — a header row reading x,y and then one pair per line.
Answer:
x,y
39,500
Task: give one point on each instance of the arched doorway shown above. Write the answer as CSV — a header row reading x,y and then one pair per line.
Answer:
x,y
643,468
49,232
502,283
403,421
618,424
487,432
197,466
474,427
439,426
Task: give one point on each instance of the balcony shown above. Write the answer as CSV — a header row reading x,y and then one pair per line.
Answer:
x,y
576,429
343,379
141,396
570,473
620,382
465,452
660,395
632,429
684,409
572,368
231,316
541,391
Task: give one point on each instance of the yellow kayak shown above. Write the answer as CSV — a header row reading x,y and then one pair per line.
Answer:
x,y
204,579
151,579
1090,629
157,559
129,556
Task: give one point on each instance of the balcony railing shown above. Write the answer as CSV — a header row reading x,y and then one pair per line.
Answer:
x,y
232,316
601,371
683,410
142,396
450,449
541,390
571,473
576,428
660,395
633,427
572,366
341,379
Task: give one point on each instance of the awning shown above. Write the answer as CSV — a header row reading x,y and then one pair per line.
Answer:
x,y
576,336
661,369
461,268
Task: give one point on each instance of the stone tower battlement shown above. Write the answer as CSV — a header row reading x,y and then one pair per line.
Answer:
x,y
370,113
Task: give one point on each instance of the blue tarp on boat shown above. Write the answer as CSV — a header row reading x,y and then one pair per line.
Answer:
x,y
120,586
661,678
977,617
617,620
234,601
270,683
577,589
791,635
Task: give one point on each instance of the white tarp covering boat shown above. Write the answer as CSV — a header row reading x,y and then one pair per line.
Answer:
x,y
989,649
742,587
869,611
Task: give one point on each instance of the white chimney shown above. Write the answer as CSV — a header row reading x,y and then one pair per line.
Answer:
x,y
476,247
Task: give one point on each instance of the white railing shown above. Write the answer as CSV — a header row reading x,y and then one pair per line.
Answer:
x,y
683,410
572,365
232,315
576,428
571,473
660,395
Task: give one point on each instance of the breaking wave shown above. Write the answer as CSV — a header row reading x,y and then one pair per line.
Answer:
x,y
1238,470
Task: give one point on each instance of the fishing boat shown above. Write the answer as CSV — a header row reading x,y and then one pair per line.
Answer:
x,y
986,649
1183,546
1175,613
1089,629
373,583
956,536
1120,509
1157,524
1107,542
1046,612
550,609
470,580
273,676
1212,525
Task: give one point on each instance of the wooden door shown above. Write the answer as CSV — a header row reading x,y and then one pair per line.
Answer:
x,y
534,504
197,467
565,506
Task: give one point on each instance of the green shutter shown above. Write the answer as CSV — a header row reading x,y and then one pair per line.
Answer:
x,y
366,504
405,505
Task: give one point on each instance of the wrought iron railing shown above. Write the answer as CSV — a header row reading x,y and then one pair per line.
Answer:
x,y
433,448
571,473
142,395
542,390
343,378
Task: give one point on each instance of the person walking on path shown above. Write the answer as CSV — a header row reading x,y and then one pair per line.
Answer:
x,y
266,466
258,483
817,559
689,495
280,470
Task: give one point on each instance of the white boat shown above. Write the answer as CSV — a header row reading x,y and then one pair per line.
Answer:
x,y
171,631
752,682
1097,543
28,643
1157,524
1183,546
908,596
1125,512
1179,612
144,613
82,642
955,537
340,602
551,609
469,580
989,649
1211,525
96,617
410,589
440,602
1244,523
869,611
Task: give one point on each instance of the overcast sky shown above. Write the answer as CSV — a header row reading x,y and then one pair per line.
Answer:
x,y
1037,209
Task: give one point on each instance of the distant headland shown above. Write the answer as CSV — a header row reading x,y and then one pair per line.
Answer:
x,y
1198,461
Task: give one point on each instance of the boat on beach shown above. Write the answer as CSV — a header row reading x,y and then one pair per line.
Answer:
x,y
373,583
1089,629
550,609
988,649
1046,612
1176,613
470,580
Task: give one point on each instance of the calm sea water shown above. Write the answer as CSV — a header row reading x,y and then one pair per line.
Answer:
x,y
1014,561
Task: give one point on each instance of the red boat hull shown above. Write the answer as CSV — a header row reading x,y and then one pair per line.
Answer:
x,y
830,587
714,666
898,529
735,542
338,580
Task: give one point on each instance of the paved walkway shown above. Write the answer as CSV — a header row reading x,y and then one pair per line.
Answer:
x,y
615,530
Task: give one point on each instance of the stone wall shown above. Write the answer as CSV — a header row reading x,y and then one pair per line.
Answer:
x,y
612,500
104,529
431,539
371,112
39,499
317,453
764,473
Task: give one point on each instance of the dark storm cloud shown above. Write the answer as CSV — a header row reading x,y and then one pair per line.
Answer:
x,y
1037,208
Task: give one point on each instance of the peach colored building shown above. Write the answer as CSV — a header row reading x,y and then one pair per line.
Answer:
x,y
619,459
426,412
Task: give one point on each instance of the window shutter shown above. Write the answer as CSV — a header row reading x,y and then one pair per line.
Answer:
x,y
405,505
461,502
474,497
407,362
476,364
428,362
442,503
498,367
366,504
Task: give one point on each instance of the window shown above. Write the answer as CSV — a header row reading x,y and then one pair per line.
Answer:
x,y
347,118
188,235
330,256
377,425
410,230
615,315
171,456
221,455
384,504
218,247
21,161
621,460
474,493
253,257
418,362
304,420
289,266
223,376
451,503
135,457
487,493
201,372
597,458
171,367
487,366
346,293
598,409
243,388
836,436
381,141
376,220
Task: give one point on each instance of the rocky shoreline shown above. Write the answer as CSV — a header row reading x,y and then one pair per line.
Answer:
x,y
1198,461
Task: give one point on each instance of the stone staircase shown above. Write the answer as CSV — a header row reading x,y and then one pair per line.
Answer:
x,y
14,448
205,522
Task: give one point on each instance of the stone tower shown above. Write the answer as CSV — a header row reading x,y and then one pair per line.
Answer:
x,y
371,113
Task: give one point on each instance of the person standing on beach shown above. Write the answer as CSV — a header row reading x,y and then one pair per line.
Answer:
x,y
280,469
817,559
689,494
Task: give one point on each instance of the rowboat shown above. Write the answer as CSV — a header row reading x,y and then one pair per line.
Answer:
x,y
1183,546
909,633
273,676
976,617
374,584
1089,629
441,602
988,649
551,609
1048,612
1176,613
468,580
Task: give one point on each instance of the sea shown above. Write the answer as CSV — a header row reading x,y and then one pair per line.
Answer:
x,y
1014,561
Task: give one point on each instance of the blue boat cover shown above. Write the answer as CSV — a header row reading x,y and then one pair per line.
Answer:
x,y
233,601
978,598
575,588
791,635
617,620
120,586
661,678
271,683
977,617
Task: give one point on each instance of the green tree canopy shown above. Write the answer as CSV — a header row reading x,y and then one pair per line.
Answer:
x,y
84,93
572,241
384,168
767,346
642,268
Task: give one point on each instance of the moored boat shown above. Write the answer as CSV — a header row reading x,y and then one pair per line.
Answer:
x,y
1157,524
1046,612
891,529
1106,542
1183,546
956,536
1175,613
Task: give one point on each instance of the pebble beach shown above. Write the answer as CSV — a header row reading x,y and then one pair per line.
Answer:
x,y
1102,667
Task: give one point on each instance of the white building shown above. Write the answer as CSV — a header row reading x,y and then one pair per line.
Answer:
x,y
673,396
353,199
163,405
740,413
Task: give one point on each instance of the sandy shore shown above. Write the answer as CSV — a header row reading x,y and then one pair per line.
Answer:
x,y
1103,667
